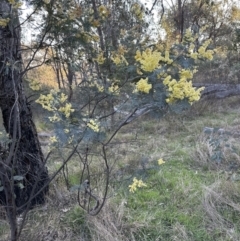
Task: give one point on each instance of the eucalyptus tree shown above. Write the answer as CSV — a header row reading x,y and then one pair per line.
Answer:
x,y
23,175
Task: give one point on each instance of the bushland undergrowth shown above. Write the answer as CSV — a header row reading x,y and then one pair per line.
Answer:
x,y
190,197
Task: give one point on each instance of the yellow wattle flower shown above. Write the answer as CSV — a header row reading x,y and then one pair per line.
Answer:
x,y
93,125
143,86
148,59
160,161
136,183
182,89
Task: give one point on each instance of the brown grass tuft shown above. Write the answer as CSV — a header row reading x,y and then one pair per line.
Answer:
x,y
218,203
109,225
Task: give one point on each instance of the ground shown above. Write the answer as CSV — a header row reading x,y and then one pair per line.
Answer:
x,y
193,196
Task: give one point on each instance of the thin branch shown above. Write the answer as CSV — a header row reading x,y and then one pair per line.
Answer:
x,y
153,6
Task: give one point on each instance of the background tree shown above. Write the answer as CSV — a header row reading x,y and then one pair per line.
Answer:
x,y
214,16
209,19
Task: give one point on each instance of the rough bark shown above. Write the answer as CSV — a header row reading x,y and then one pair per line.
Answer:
x,y
179,19
23,156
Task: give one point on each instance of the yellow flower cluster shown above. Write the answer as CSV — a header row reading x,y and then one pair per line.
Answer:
x,y
34,84
74,13
66,130
94,38
186,74
66,110
94,22
160,161
143,86
118,57
114,88
93,125
179,90
98,86
52,101
208,54
63,98
188,37
194,55
149,59
137,10
121,50
100,58
202,51
4,22
15,4
54,118
46,101
53,139
202,29
235,14
167,59
103,11
85,36
136,183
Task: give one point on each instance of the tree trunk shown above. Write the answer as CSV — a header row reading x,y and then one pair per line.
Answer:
x,y
22,168
70,75
179,19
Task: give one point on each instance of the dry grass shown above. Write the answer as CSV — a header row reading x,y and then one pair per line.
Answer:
x,y
109,225
225,145
180,233
61,219
221,200
189,198
45,223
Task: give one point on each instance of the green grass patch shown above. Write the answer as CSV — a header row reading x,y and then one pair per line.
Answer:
x,y
172,197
